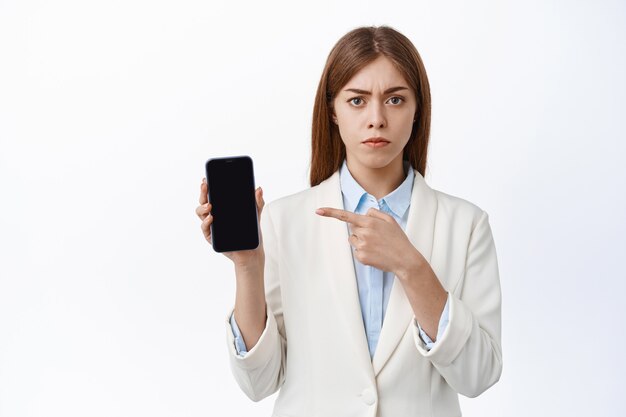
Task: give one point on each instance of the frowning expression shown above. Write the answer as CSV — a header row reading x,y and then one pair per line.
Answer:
x,y
377,102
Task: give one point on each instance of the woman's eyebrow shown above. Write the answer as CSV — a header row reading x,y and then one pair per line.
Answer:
x,y
387,91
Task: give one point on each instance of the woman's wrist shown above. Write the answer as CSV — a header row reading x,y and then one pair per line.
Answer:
x,y
250,276
250,267
410,266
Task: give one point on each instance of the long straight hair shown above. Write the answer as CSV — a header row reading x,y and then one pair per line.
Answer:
x,y
351,53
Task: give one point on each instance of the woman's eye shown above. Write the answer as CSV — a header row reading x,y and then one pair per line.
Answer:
x,y
355,98
358,100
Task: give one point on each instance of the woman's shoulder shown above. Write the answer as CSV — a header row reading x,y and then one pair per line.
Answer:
x,y
292,206
306,198
449,207
455,202
454,207
298,199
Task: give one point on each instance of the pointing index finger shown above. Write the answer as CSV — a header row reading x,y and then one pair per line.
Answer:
x,y
343,215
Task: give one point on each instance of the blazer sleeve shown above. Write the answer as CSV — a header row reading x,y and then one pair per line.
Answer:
x,y
261,371
469,355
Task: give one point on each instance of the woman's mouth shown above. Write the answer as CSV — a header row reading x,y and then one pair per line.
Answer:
x,y
376,142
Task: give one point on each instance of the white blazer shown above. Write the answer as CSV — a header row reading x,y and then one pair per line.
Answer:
x,y
314,347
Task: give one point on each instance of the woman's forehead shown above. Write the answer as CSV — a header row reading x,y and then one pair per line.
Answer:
x,y
378,76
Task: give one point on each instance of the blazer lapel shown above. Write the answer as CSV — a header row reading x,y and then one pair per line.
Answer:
x,y
399,314
419,229
343,282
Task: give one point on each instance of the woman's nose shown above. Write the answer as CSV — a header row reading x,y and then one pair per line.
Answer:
x,y
376,115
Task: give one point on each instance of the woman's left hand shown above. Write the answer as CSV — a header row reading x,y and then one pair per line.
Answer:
x,y
378,240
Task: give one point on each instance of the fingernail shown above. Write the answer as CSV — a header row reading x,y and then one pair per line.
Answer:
x,y
319,211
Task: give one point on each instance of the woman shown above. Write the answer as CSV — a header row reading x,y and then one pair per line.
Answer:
x,y
370,293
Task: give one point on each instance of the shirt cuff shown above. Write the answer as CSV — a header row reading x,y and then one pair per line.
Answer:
x,y
443,323
239,344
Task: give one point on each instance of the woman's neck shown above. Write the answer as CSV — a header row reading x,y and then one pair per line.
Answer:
x,y
378,181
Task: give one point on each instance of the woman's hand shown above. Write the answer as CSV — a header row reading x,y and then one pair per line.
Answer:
x,y
378,240
253,258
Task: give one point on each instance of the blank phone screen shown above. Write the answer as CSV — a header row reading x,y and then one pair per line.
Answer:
x,y
231,194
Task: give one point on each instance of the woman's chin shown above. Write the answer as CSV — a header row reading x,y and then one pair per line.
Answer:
x,y
377,160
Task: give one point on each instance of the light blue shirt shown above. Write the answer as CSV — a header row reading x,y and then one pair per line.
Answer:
x,y
374,284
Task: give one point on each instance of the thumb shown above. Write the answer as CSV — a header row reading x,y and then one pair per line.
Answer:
x,y
260,203
374,212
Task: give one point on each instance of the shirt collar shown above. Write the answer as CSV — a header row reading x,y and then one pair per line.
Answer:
x,y
398,200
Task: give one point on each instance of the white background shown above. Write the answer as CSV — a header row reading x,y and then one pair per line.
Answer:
x,y
113,304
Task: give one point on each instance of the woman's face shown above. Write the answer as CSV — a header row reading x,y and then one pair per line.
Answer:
x,y
376,102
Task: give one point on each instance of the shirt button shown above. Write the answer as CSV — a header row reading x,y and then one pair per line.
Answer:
x,y
368,396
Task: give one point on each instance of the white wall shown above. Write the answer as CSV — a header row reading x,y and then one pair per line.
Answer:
x,y
113,304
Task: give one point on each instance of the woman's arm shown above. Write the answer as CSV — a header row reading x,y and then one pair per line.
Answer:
x,y
249,311
261,372
469,354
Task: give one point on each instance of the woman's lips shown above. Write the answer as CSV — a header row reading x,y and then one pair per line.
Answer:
x,y
376,144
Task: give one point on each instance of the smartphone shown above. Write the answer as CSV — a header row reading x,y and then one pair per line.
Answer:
x,y
235,223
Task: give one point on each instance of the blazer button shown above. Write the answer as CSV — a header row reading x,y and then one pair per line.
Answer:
x,y
368,396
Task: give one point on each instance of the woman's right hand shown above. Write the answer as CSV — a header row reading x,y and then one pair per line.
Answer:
x,y
253,258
